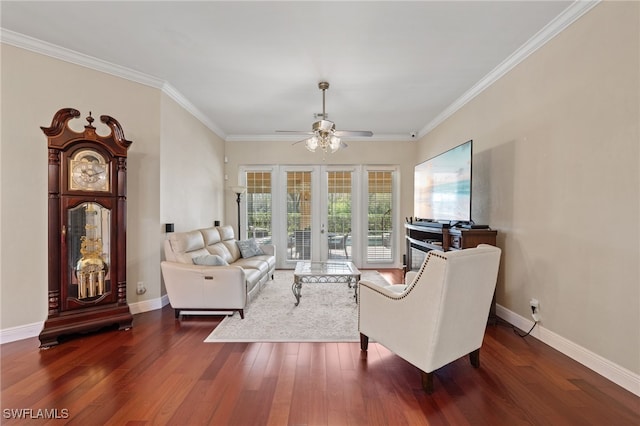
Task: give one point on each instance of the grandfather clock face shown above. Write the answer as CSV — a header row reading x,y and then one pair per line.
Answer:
x,y
88,171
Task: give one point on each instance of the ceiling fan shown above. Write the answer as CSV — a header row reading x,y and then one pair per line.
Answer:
x,y
323,132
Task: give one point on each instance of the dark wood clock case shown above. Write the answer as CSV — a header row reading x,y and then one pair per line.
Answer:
x,y
87,288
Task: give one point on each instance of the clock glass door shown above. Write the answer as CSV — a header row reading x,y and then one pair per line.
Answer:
x,y
88,247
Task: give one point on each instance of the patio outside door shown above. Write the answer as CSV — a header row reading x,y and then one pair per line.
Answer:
x,y
299,193
319,214
323,212
339,214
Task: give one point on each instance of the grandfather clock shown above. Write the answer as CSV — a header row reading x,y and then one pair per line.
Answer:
x,y
87,228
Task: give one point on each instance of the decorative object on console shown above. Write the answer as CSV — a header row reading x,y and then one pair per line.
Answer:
x,y
87,287
324,134
238,190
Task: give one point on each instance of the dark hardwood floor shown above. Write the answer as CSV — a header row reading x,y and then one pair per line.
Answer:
x,y
161,372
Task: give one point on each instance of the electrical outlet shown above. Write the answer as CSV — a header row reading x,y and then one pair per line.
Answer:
x,y
140,289
535,309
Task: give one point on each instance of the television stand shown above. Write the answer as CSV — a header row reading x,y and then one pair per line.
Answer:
x,y
425,238
421,239
431,224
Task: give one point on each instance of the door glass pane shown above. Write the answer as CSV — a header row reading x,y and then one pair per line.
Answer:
x,y
259,206
88,248
379,235
299,215
339,215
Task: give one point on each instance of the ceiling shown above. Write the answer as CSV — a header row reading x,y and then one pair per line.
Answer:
x,y
247,69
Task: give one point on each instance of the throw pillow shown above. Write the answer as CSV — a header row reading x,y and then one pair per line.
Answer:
x,y
210,260
249,248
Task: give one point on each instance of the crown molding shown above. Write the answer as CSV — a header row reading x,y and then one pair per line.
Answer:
x,y
552,29
48,49
296,138
54,51
171,91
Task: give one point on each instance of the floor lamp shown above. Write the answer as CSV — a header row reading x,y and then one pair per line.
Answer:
x,y
238,190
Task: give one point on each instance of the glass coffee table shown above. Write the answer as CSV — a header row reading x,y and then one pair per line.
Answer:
x,y
324,272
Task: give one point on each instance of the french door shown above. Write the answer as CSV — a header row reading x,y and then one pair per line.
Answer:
x,y
323,213
319,213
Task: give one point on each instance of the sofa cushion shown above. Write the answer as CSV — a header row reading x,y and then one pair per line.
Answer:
x,y
252,263
233,250
211,236
267,258
182,242
221,250
210,260
249,248
188,256
226,232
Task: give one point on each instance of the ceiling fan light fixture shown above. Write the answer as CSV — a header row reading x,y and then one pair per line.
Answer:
x,y
324,134
312,143
334,143
324,126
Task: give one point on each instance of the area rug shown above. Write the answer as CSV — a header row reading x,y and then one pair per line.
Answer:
x,y
327,313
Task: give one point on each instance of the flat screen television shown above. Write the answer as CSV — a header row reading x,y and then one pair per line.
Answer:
x,y
442,186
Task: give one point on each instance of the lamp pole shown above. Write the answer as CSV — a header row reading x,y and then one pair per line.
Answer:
x,y
238,190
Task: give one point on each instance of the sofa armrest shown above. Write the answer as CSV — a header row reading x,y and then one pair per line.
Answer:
x,y
204,287
383,290
410,276
269,249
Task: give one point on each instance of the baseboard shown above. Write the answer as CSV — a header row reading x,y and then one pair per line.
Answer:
x,y
28,331
21,332
148,305
617,374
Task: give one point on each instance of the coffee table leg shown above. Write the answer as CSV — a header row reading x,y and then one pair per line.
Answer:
x,y
297,289
355,279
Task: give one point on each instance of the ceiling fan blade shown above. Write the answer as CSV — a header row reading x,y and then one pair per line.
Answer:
x,y
342,133
301,140
295,132
324,128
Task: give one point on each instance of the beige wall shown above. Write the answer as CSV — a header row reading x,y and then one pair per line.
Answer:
x,y
557,173
192,163
34,87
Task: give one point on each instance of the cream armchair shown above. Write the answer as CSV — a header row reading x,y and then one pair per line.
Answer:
x,y
441,313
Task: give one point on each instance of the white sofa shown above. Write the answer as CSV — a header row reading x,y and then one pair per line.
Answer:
x,y
213,288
